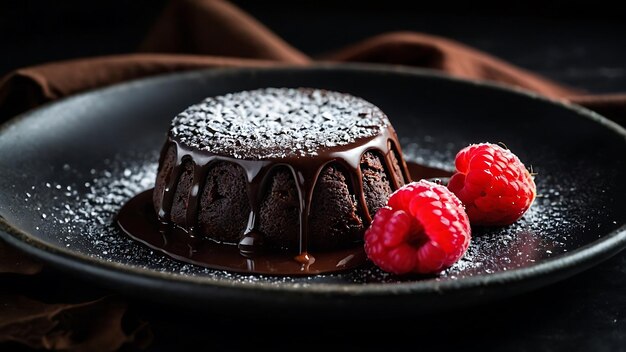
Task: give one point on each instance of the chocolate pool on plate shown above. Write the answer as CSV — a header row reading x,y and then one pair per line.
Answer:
x,y
277,181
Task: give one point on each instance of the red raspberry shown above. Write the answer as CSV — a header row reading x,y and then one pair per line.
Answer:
x,y
423,229
494,185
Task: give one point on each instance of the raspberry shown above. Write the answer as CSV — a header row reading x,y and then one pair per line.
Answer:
x,y
423,229
494,185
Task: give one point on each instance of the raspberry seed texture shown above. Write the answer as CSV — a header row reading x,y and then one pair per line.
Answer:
x,y
493,184
423,229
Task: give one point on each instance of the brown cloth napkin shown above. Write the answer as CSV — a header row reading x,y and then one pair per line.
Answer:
x,y
193,34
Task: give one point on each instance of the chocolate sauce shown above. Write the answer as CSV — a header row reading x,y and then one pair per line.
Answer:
x,y
305,171
138,219
303,130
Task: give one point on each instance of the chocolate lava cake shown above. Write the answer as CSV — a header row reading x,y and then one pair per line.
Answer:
x,y
278,168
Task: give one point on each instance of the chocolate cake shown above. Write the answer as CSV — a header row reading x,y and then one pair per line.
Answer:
x,y
295,170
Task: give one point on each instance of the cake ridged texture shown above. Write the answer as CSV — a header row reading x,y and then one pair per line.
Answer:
x,y
336,221
229,126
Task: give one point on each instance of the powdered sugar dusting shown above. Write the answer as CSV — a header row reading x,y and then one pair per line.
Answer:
x,y
427,150
277,122
83,215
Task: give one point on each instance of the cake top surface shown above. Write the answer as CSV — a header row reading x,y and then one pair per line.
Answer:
x,y
277,122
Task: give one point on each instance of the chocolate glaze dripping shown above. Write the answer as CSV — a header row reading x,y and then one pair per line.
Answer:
x,y
171,180
139,220
394,150
305,171
256,178
303,131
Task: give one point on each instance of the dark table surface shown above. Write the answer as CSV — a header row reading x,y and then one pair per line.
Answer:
x,y
586,312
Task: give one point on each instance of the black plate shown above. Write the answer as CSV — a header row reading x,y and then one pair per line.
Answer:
x,y
67,167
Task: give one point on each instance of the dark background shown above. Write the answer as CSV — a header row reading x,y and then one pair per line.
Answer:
x,y
579,43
